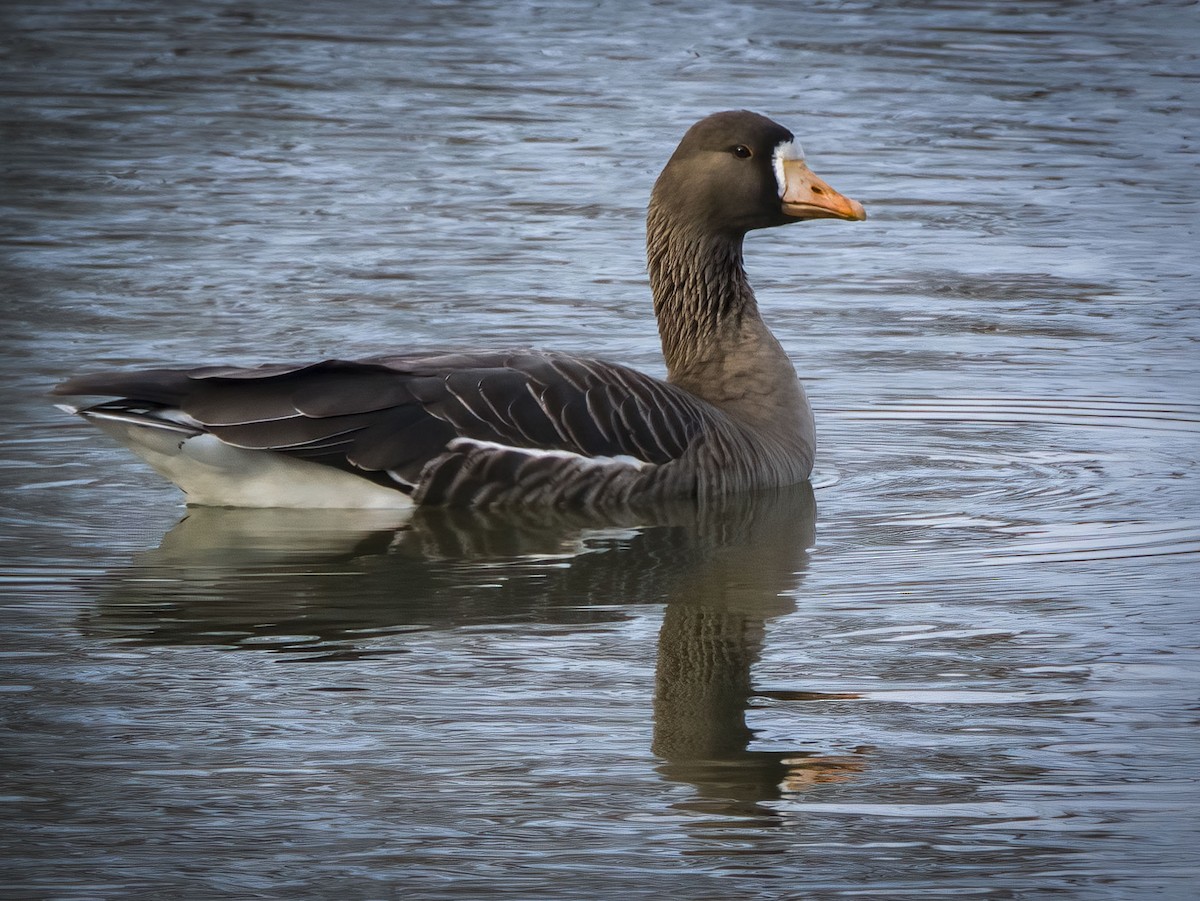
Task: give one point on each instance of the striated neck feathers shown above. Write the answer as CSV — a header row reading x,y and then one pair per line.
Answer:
x,y
701,294
715,343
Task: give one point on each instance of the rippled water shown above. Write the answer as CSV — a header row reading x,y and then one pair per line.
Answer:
x,y
967,663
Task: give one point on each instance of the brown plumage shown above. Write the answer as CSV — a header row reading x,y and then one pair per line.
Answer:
x,y
524,427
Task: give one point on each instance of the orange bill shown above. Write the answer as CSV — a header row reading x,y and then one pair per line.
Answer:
x,y
806,196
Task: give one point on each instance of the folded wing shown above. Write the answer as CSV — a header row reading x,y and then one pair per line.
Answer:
x,y
444,428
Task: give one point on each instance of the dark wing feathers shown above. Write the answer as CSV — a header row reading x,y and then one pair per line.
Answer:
x,y
395,414
227,402
529,424
402,443
292,433
332,394
265,371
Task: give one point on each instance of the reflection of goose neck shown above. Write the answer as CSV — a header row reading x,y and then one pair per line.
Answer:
x,y
702,682
713,628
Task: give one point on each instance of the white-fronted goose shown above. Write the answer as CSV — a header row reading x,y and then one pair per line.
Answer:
x,y
523,427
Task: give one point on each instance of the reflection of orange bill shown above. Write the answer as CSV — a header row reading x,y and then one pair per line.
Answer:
x,y
805,772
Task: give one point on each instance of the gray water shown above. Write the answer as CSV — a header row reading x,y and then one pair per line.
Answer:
x,y
966,663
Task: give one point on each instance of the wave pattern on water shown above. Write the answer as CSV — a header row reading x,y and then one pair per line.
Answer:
x,y
1103,412
1015,481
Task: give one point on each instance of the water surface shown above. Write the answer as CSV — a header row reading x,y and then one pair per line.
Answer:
x,y
966,663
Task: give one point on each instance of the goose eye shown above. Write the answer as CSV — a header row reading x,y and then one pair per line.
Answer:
x,y
742,152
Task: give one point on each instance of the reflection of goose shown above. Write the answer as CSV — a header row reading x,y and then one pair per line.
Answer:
x,y
336,584
524,427
712,634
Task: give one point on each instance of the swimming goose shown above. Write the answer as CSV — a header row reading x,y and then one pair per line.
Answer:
x,y
523,427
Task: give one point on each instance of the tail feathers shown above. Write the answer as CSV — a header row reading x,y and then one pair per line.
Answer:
x,y
213,473
160,386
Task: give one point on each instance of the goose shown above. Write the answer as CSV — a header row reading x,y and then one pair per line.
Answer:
x,y
523,427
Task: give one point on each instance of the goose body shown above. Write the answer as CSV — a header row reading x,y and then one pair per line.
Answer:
x,y
523,427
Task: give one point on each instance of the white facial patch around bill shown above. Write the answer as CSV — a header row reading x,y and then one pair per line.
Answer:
x,y
786,150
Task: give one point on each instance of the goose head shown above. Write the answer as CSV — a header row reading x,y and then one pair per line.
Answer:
x,y
738,171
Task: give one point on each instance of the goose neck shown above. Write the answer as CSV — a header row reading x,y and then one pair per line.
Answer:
x,y
702,298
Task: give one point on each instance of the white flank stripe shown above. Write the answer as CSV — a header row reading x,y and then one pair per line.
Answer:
x,y
619,460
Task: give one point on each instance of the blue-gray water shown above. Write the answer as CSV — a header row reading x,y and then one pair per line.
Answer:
x,y
969,668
